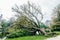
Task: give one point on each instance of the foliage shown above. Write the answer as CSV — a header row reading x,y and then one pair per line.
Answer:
x,y
4,23
42,25
23,32
1,35
56,18
23,26
24,22
56,27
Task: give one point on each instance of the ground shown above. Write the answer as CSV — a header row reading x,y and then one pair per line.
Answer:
x,y
36,38
29,38
54,38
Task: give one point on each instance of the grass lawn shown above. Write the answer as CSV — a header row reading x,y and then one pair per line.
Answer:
x,y
29,38
58,32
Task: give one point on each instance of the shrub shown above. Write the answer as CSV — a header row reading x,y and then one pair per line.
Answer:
x,y
1,35
20,34
56,27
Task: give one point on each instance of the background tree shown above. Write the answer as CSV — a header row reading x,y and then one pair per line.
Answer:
x,y
56,18
11,21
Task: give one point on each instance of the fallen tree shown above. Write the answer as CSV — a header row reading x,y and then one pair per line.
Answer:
x,y
30,12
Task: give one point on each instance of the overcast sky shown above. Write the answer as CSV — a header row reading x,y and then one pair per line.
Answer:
x,y
46,6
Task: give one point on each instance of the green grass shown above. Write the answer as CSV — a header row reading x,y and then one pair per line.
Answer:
x,y
28,38
58,32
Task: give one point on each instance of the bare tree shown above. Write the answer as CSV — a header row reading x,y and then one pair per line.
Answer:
x,y
31,12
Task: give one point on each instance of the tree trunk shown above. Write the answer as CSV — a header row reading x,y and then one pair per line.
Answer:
x,y
42,30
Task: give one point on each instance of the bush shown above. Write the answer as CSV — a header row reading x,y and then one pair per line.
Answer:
x,y
16,34
20,34
56,27
1,35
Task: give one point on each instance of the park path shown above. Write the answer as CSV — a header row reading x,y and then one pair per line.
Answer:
x,y
3,38
54,38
